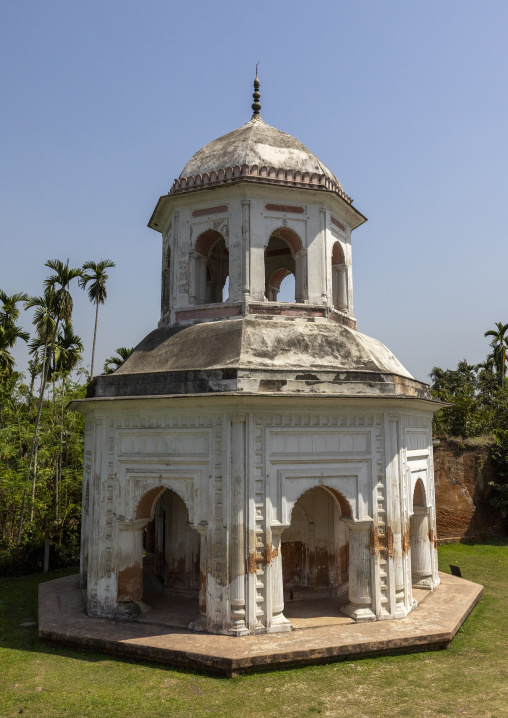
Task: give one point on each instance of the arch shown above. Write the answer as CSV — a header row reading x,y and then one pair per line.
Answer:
x,y
420,539
315,546
145,508
419,498
211,267
344,505
166,283
283,256
339,278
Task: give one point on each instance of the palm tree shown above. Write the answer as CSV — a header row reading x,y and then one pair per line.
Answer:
x,y
96,291
499,345
10,312
68,351
57,307
112,363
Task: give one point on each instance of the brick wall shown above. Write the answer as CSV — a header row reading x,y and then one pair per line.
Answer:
x,y
463,469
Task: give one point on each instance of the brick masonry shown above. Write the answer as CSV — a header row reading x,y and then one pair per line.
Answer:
x,y
463,469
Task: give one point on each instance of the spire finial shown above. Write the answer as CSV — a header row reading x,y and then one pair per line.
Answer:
x,y
255,105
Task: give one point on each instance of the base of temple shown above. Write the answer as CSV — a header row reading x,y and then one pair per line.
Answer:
x,y
431,626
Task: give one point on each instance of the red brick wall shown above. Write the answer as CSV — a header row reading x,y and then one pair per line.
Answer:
x,y
462,470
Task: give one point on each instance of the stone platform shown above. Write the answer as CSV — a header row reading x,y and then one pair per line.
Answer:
x,y
316,638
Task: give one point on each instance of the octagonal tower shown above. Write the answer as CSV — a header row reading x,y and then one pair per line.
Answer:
x,y
263,452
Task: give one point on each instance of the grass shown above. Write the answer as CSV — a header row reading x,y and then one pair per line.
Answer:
x,y
469,679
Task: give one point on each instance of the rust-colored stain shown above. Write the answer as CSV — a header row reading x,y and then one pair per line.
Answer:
x,y
263,558
130,583
251,565
389,541
378,541
405,541
432,538
293,562
209,210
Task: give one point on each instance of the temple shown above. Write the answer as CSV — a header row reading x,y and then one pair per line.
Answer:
x,y
256,450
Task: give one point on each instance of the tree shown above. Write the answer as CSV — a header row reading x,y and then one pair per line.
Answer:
x,y
112,363
95,273
499,345
59,309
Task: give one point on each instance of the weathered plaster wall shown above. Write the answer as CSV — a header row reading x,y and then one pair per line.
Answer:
x,y
463,469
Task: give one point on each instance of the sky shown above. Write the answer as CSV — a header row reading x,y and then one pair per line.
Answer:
x,y
406,102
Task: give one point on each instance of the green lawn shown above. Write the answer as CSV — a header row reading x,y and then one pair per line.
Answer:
x,y
469,679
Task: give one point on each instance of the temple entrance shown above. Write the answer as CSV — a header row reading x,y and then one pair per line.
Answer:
x,y
315,560
420,540
171,564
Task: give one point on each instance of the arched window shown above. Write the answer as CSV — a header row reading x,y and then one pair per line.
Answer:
x,y
284,256
211,268
339,279
166,284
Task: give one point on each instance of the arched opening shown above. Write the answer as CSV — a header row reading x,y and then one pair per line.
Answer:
x,y
211,268
419,539
171,570
284,257
166,284
315,556
339,279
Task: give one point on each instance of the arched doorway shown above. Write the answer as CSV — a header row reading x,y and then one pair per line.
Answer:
x,y
211,268
284,256
171,563
419,540
315,555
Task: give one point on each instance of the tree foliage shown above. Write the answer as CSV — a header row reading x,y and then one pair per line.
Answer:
x,y
41,442
477,398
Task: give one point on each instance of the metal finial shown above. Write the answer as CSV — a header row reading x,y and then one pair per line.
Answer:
x,y
255,105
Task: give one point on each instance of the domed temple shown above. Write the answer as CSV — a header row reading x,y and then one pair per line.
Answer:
x,y
256,450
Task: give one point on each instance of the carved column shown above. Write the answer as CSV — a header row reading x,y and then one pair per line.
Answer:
x,y
273,572
246,248
129,567
324,255
342,288
421,558
301,293
360,575
200,623
237,528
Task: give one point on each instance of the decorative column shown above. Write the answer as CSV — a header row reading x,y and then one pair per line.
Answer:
x,y
237,527
278,622
360,575
324,255
301,293
200,622
342,288
245,248
129,566
419,540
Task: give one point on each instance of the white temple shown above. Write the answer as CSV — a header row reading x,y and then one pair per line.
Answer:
x,y
252,452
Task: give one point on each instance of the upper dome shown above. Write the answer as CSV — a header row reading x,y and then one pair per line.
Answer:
x,y
256,143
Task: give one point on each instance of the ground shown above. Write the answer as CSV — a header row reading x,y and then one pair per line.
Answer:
x,y
468,679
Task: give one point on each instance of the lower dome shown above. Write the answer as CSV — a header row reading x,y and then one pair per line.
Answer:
x,y
260,354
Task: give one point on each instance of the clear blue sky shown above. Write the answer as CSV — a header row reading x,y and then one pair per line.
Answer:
x,y
406,102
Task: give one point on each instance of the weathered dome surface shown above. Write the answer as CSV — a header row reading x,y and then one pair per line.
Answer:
x,y
260,354
256,143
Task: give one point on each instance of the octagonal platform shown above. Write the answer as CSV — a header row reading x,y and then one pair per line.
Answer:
x,y
327,638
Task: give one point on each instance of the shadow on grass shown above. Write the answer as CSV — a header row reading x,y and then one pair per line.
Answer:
x,y
18,605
